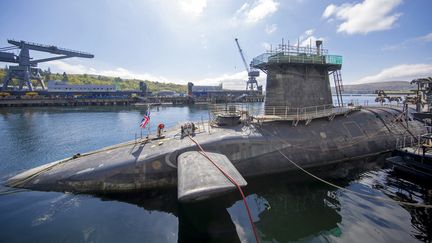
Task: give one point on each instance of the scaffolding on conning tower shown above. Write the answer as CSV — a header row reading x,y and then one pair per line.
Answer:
x,y
287,60
286,53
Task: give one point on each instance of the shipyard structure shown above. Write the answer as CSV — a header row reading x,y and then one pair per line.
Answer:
x,y
299,127
298,77
19,84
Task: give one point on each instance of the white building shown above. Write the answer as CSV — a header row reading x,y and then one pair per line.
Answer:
x,y
203,88
61,86
167,93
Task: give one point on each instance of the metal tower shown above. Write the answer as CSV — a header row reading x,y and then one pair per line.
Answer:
x,y
27,70
252,73
298,77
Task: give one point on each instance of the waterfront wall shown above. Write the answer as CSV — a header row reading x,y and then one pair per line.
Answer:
x,y
64,102
43,101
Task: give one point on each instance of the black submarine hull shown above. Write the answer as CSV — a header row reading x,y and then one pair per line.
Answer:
x,y
254,149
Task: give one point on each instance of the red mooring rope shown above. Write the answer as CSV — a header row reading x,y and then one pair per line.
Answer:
x,y
233,182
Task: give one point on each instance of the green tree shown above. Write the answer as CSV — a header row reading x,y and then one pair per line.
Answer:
x,y
47,74
65,77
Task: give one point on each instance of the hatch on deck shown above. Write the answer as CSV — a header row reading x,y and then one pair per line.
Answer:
x,y
199,179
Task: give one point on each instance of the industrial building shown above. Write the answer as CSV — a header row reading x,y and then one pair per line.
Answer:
x,y
63,86
218,94
168,93
197,89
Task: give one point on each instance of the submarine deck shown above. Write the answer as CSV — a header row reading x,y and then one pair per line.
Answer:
x,y
253,150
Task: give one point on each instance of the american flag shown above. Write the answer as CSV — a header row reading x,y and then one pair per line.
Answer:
x,y
145,120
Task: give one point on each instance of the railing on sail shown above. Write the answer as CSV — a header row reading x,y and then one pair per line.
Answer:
x,y
287,113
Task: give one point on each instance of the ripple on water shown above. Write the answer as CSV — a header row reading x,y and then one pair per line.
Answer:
x,y
283,210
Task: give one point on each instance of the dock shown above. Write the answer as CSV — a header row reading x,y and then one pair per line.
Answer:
x,y
30,102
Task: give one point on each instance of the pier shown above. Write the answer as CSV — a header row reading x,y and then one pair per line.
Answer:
x,y
65,102
23,101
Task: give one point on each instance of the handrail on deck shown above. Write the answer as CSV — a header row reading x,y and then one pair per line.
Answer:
x,y
284,112
304,113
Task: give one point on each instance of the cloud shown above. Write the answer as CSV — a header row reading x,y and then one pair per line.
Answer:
x,y
310,41
70,68
193,7
61,66
394,46
362,18
270,28
203,41
421,39
406,72
309,32
425,38
256,12
307,38
229,80
224,77
266,45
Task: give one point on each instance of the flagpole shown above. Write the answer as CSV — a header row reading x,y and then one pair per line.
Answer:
x,y
148,128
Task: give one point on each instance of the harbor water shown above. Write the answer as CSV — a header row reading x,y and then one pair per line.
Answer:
x,y
285,207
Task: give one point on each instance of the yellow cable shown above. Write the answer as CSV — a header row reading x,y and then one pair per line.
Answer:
x,y
354,192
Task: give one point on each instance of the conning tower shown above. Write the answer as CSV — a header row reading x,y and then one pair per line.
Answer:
x,y
298,77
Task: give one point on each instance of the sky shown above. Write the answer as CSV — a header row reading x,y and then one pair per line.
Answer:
x,y
193,40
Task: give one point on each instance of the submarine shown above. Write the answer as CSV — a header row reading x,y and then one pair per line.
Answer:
x,y
299,121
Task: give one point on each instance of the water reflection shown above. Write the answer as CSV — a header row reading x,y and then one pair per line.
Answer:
x,y
285,207
206,222
305,210
413,190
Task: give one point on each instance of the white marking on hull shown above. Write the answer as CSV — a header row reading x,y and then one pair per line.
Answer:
x,y
85,171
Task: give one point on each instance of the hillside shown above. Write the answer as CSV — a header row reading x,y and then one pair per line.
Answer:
x,y
154,86
122,84
370,88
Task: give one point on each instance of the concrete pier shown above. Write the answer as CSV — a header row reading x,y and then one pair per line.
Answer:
x,y
65,102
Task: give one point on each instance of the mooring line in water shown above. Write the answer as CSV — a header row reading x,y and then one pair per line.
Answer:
x,y
233,182
354,192
341,188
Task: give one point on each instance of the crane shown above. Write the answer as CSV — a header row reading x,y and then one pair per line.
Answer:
x,y
252,73
27,70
